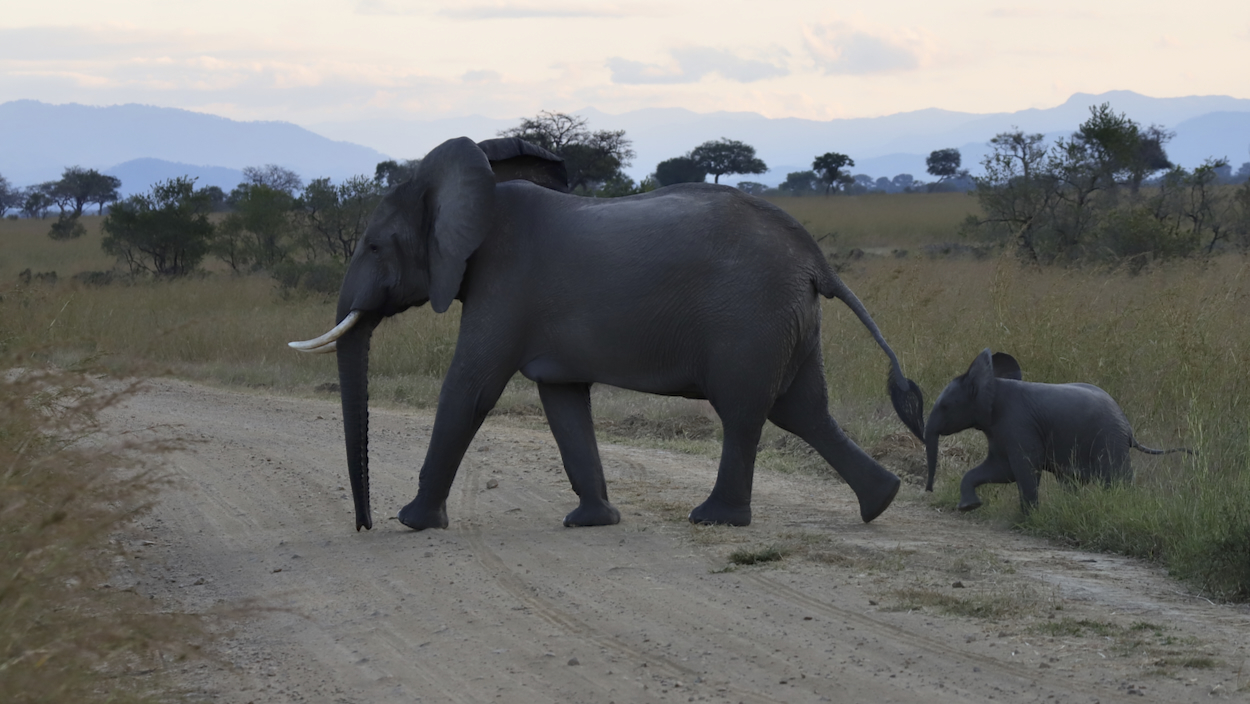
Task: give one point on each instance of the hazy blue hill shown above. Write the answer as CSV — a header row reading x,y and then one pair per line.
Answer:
x,y
1222,135
42,139
881,146
138,175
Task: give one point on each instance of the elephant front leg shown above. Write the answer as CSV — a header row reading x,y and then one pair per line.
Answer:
x,y
992,471
568,414
462,406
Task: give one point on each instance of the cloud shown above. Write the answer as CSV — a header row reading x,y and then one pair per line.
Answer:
x,y
690,65
481,77
841,49
504,10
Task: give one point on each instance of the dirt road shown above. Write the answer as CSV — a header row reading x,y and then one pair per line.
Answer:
x,y
509,606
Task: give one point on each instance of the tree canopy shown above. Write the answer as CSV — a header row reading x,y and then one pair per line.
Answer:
x,y
679,169
79,186
943,163
592,159
726,156
275,177
10,197
165,232
829,166
392,173
334,217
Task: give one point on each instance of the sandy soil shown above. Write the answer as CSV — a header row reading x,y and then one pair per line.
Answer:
x,y
507,605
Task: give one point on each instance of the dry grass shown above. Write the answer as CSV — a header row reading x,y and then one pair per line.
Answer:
x,y
65,492
24,244
883,220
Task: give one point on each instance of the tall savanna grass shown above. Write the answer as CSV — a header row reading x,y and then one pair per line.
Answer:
x,y
1167,342
881,220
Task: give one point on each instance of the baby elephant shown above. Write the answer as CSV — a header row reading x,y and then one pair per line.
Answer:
x,y
1076,431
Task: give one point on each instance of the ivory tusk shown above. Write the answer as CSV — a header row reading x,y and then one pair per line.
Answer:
x,y
327,340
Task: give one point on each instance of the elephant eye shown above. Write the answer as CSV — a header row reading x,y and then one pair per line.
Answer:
x,y
373,248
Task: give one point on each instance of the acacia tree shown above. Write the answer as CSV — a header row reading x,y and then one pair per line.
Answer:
x,y
334,217
274,177
165,232
79,186
590,158
37,200
800,183
391,173
9,197
679,169
943,163
259,230
829,167
726,156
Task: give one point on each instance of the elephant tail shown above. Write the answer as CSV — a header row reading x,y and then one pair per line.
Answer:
x,y
1152,451
904,393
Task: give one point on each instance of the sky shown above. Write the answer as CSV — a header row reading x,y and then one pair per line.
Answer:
x,y
313,61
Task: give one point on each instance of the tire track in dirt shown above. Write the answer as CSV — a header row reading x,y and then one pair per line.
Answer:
x,y
470,488
1024,678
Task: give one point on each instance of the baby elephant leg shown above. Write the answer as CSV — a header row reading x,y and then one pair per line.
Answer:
x,y
991,471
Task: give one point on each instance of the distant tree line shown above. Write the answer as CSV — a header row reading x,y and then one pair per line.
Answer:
x,y
1107,193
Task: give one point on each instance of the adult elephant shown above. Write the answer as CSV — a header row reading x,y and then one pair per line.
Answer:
x,y
694,290
1076,431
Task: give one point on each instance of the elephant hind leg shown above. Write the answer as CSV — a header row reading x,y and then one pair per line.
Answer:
x,y
742,410
804,410
568,414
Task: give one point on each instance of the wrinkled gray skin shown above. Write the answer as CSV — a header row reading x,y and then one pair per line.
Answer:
x,y
1076,431
695,290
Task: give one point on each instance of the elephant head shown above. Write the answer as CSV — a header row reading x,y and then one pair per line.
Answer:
x,y
967,402
415,249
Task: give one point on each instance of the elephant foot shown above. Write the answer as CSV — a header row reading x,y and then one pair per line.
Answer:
x,y
874,503
714,512
419,515
596,514
969,505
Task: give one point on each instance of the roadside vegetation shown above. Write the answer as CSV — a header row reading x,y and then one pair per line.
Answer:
x,y
71,629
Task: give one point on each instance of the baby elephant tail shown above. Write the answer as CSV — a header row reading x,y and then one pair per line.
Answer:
x,y
1152,451
904,393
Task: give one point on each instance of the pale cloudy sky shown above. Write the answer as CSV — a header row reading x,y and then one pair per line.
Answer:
x,y
308,61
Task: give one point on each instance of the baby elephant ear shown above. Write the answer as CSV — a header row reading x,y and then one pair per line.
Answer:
x,y
513,158
1006,367
982,383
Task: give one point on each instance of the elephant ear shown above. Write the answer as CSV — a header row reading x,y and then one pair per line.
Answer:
x,y
513,158
1006,367
982,384
459,189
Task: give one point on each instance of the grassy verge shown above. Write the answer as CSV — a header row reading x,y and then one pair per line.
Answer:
x,y
66,634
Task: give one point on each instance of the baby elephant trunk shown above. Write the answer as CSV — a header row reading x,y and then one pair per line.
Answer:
x,y
931,454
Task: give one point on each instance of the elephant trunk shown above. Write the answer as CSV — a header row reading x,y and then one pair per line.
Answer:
x,y
353,359
931,454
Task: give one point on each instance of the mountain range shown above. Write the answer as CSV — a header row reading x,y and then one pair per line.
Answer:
x,y
142,144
